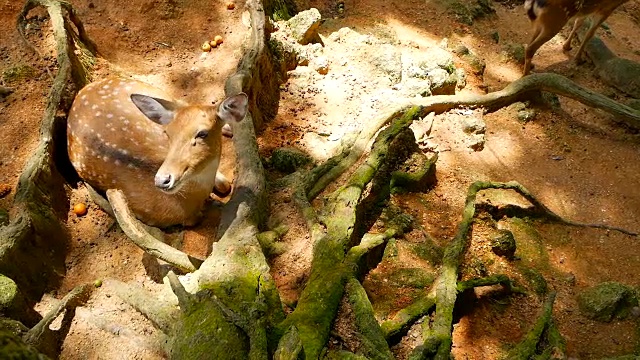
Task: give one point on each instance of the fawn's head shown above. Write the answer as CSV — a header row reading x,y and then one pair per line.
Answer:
x,y
194,134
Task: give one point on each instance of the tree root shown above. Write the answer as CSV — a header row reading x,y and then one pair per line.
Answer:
x,y
39,334
447,285
317,180
332,261
373,343
136,231
545,212
534,341
521,89
40,201
488,281
404,318
161,312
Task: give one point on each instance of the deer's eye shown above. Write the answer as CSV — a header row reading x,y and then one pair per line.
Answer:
x,y
202,134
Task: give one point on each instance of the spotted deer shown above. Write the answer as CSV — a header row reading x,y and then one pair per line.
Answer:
x,y
164,156
550,16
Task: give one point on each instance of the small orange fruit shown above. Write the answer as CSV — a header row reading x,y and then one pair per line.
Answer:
x,y
206,47
80,209
218,39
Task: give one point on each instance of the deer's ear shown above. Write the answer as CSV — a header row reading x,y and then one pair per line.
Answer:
x,y
234,108
158,110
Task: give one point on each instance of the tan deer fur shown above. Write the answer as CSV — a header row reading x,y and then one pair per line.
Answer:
x,y
164,156
550,16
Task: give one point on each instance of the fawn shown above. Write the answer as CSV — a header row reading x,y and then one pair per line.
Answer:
x,y
550,16
164,156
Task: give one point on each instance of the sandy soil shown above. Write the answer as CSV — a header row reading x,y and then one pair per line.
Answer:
x,y
576,159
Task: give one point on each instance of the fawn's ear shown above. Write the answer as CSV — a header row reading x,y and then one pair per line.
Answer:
x,y
234,108
157,110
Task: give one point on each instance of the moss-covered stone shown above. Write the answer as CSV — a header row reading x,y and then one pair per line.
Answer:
x,y
513,52
410,277
18,73
280,9
4,217
206,334
12,347
13,304
416,174
535,279
288,159
607,301
304,26
503,243
427,250
390,251
468,11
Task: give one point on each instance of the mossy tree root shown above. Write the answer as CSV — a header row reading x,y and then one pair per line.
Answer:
x,y
447,286
136,231
334,262
41,203
521,89
40,335
370,335
403,319
543,329
236,303
488,281
545,212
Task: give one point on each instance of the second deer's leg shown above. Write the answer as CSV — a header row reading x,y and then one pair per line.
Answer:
x,y
598,19
222,185
576,25
546,27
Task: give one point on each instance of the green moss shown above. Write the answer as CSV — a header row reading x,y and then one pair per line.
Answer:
x,y
535,280
374,345
427,250
417,174
513,52
4,217
503,243
205,334
12,347
280,10
288,159
410,277
607,301
390,251
468,12
530,244
18,73
343,355
8,291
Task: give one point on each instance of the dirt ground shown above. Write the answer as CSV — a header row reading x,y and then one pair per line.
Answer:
x,y
577,160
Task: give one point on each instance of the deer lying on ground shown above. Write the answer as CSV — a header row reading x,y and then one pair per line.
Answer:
x,y
164,156
550,16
